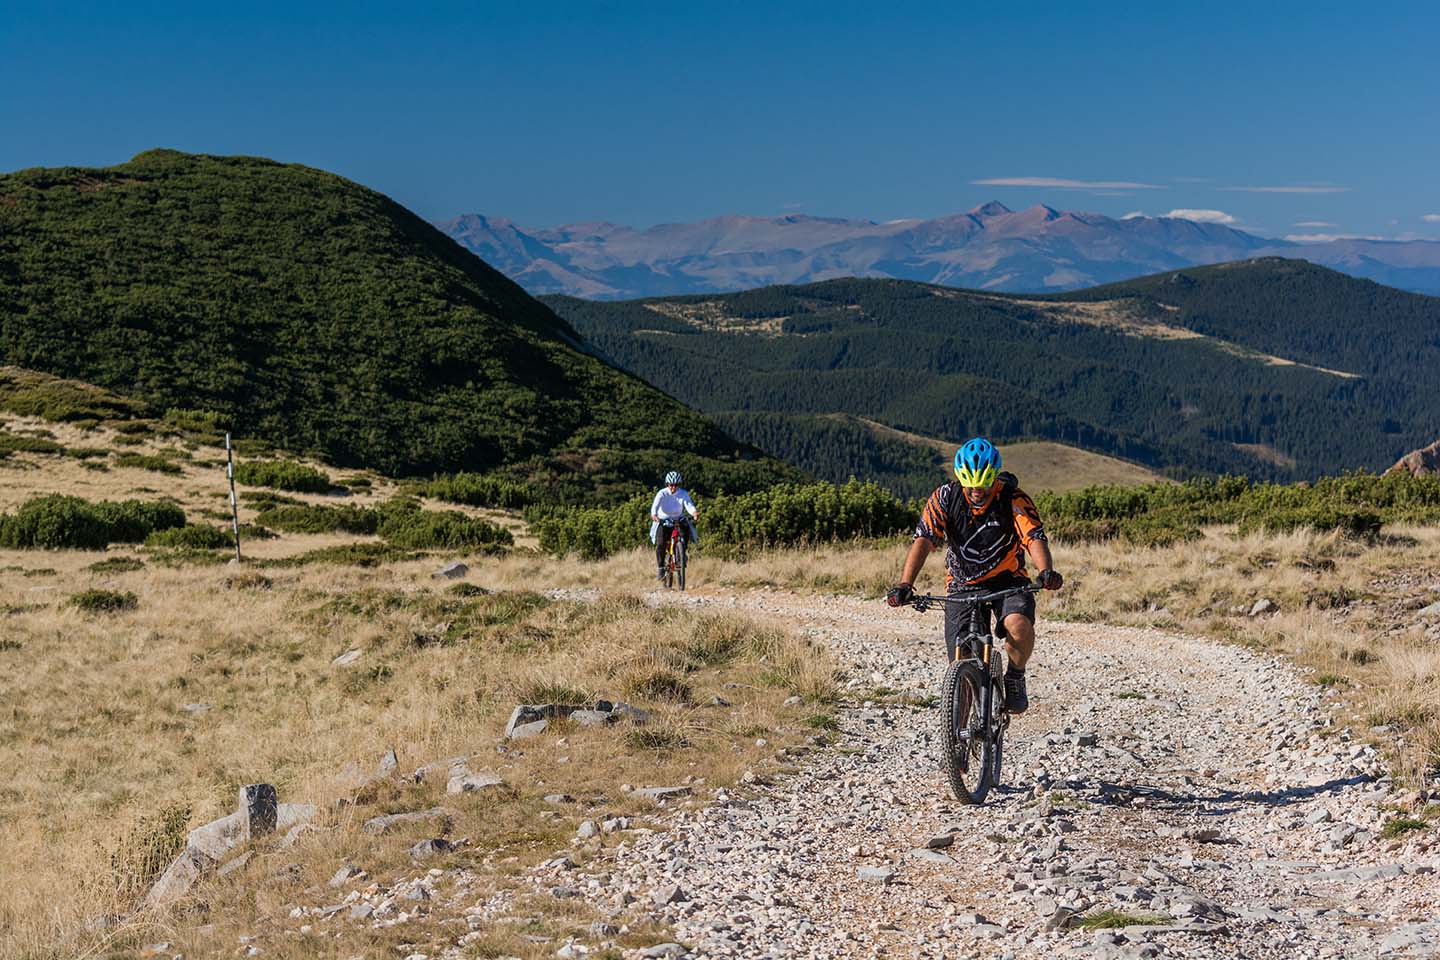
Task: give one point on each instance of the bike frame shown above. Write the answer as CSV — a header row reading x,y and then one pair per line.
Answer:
x,y
980,629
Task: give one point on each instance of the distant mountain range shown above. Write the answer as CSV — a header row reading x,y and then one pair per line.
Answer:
x,y
991,247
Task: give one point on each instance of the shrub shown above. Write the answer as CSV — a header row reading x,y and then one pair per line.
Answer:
x,y
54,523
131,521
13,443
146,461
104,601
480,490
116,565
192,537
1349,521
356,554
404,524
305,518
282,475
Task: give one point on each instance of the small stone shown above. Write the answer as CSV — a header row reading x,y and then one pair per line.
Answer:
x,y
672,893
258,807
1060,919
1263,605
663,793
438,816
590,718
235,865
196,708
524,731
926,855
940,841
876,874
362,911
558,798
344,875
1318,816
587,830
426,849
473,782
793,701
417,893
663,951
346,658
389,763
451,571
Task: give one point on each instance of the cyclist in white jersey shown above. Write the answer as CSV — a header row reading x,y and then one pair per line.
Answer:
x,y
671,502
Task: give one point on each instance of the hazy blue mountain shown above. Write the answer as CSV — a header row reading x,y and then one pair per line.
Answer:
x,y
991,247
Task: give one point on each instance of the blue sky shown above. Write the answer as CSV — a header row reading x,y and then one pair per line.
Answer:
x,y
1293,119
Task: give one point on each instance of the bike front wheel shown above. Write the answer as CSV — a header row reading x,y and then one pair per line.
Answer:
x,y
680,564
966,749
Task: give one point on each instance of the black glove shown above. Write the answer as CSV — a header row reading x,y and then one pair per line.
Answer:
x,y
900,594
1050,579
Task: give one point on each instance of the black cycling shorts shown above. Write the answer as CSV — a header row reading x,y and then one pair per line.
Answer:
x,y
957,615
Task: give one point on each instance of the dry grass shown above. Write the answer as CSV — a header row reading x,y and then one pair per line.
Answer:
x,y
106,766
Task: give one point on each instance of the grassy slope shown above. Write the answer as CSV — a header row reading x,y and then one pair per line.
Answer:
x,y
1217,369
321,315
98,703
1042,465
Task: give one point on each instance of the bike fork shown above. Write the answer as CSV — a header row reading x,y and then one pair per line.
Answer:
x,y
987,689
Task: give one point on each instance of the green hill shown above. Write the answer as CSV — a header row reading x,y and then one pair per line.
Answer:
x,y
320,315
1275,369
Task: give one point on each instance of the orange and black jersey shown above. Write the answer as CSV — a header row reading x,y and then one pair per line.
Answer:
x,y
985,542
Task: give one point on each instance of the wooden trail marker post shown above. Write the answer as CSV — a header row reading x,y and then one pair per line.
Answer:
x,y
234,504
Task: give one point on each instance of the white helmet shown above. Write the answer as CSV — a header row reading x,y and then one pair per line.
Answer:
x,y
673,477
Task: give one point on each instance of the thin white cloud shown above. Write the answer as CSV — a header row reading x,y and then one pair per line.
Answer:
x,y
1327,237
1202,216
1302,188
1134,215
1431,218
1060,183
1314,224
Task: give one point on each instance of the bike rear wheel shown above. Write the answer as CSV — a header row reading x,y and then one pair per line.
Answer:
x,y
680,563
966,753
670,565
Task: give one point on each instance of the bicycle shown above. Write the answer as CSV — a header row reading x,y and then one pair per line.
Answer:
x,y
674,554
973,717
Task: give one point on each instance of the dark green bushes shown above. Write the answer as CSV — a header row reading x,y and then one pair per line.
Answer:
x,y
104,601
480,490
783,515
305,518
59,522
404,524
14,443
192,537
1356,504
146,461
282,475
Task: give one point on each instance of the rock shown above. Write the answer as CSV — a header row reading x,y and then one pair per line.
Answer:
x,y
416,893
559,798
346,658
590,718
179,877
624,711
235,865
451,571
219,837
1087,739
454,766
530,713
671,893
426,849
1433,610
362,911
926,855
525,731
1263,605
663,793
940,841
1201,834
587,830
473,782
876,874
291,815
389,763
793,701
441,817
1060,919
664,951
1320,815
344,875
196,708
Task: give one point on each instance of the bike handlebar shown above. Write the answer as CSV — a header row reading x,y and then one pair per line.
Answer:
x,y
924,600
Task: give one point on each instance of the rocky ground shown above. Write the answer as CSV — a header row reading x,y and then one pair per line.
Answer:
x,y
1167,778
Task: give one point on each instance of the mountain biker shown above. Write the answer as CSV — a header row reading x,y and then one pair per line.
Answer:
x,y
990,525
671,502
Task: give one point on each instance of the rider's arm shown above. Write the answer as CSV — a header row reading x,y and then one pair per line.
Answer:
x,y
1039,551
655,505
688,504
915,559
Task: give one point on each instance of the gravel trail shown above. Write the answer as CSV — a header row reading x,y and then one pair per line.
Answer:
x,y
1156,775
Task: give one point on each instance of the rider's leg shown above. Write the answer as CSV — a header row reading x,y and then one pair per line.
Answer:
x,y
956,620
1019,643
661,541
1021,640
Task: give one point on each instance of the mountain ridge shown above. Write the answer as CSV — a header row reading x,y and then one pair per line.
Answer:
x,y
989,247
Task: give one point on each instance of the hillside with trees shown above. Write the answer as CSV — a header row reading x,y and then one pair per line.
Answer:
x,y
320,315
1275,369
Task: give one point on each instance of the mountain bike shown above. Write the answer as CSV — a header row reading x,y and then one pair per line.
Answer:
x,y
973,717
674,554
